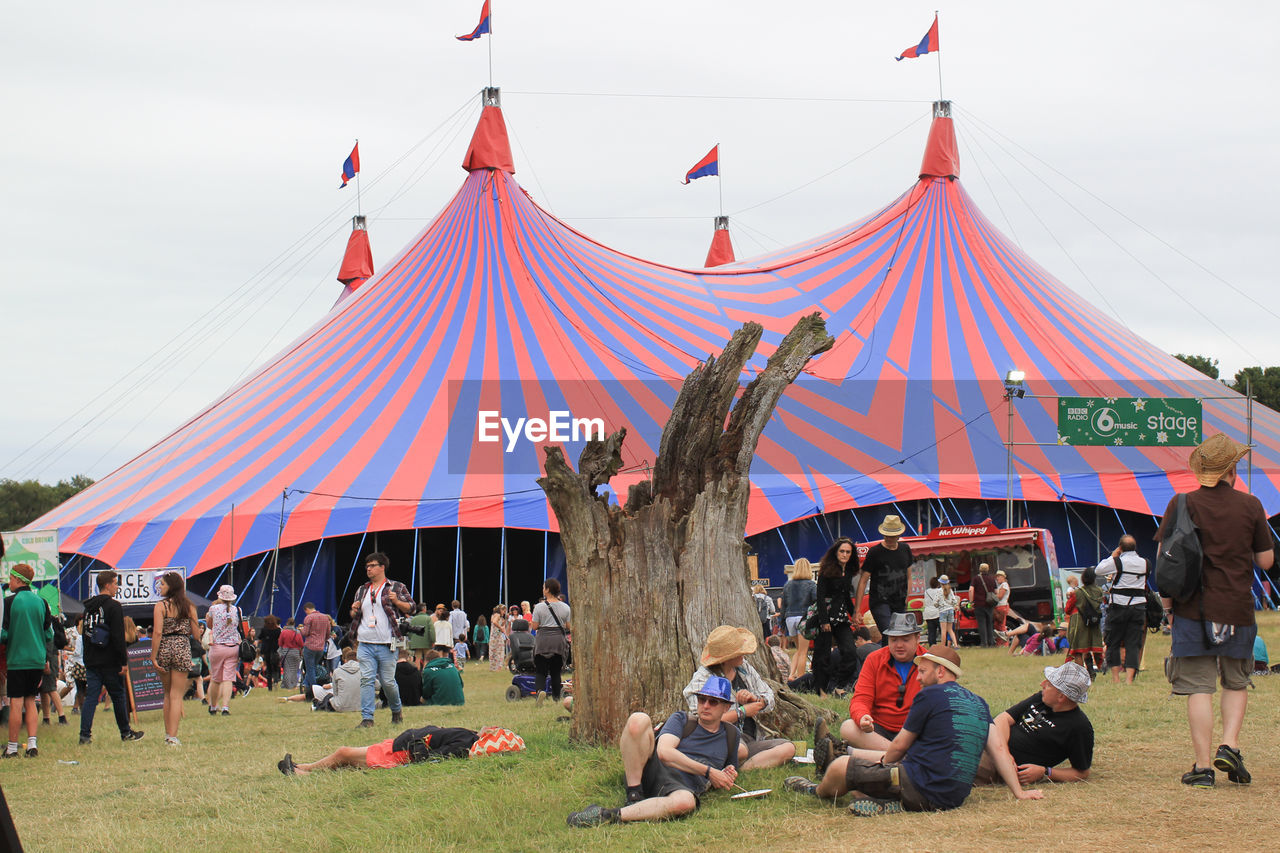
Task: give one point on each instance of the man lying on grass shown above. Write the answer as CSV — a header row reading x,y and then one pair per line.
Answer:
x,y
411,745
1046,729
665,777
931,762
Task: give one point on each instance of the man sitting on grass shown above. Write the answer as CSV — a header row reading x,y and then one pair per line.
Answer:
x,y
1046,729
931,763
411,745
665,777
441,681
886,687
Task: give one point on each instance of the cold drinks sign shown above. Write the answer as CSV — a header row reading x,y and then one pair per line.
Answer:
x,y
142,586
1129,421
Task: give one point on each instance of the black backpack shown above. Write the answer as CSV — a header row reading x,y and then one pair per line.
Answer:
x,y
95,629
1179,562
1087,610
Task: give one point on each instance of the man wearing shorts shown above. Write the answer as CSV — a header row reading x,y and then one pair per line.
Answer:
x,y
1214,629
931,764
410,746
28,625
664,777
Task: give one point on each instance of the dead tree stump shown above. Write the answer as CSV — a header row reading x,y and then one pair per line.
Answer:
x,y
652,578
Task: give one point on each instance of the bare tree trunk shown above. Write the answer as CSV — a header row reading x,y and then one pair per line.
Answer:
x,y
653,578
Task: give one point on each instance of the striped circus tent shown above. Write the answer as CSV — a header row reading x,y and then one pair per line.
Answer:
x,y
389,413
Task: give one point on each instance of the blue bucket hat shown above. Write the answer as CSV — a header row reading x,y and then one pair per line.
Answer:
x,y
717,687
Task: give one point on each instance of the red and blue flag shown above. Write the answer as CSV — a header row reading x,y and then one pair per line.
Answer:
x,y
351,165
709,165
928,44
482,28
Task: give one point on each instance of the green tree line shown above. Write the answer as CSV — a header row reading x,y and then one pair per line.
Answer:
x,y
1263,381
23,501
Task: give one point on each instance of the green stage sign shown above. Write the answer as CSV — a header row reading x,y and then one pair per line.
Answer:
x,y
1130,421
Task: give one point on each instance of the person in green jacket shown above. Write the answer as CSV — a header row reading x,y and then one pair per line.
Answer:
x,y
441,681
28,625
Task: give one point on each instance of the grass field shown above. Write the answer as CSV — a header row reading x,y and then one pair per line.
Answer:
x,y
221,789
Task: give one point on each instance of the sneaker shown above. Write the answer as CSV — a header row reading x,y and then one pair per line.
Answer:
x,y
8,754
132,734
592,815
800,785
286,765
1228,760
397,717
204,701
1199,777
62,721
226,712
32,752
365,724
213,712
822,754
170,740
635,795
539,698
85,740
871,807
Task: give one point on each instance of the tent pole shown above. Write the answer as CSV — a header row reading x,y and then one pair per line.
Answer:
x,y
545,534
458,567
275,560
352,573
413,569
422,569
293,600
502,565
1248,420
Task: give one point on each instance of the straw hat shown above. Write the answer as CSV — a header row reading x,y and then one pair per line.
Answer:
x,y
942,655
943,580
892,526
226,592
1215,456
727,642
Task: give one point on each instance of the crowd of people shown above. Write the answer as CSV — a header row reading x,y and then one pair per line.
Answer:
x,y
915,738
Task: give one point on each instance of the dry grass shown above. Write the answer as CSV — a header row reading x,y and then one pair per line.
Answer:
x,y
222,789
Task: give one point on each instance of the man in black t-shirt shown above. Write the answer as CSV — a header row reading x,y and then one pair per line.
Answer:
x,y
1046,729
886,566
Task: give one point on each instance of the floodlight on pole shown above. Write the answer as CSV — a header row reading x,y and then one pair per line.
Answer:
x,y
1013,389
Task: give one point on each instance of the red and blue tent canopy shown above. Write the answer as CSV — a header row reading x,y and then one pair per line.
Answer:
x,y
371,420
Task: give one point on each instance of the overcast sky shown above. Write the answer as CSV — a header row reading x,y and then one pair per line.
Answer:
x,y
171,170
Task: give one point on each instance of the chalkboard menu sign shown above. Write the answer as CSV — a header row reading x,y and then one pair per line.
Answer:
x,y
145,688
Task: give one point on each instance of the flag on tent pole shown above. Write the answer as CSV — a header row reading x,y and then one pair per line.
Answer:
x,y
482,28
709,165
928,44
351,165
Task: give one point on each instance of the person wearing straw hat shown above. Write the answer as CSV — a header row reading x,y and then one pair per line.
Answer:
x,y
1046,729
28,626
886,567
1214,628
724,655
666,775
931,764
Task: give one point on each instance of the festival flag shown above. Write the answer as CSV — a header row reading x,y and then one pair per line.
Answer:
x,y
482,28
351,165
928,44
709,165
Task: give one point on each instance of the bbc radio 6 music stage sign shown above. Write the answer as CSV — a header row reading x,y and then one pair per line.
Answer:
x,y
1130,421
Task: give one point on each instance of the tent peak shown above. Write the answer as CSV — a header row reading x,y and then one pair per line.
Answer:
x,y
721,251
357,261
489,148
941,156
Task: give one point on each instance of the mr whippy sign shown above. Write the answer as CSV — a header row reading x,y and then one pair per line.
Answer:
x,y
1130,421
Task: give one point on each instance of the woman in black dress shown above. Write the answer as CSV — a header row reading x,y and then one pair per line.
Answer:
x,y
836,574
269,647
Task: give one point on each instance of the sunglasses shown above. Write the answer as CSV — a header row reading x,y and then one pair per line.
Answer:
x,y
902,693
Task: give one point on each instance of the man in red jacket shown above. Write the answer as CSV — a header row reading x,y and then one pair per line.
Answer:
x,y
886,687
